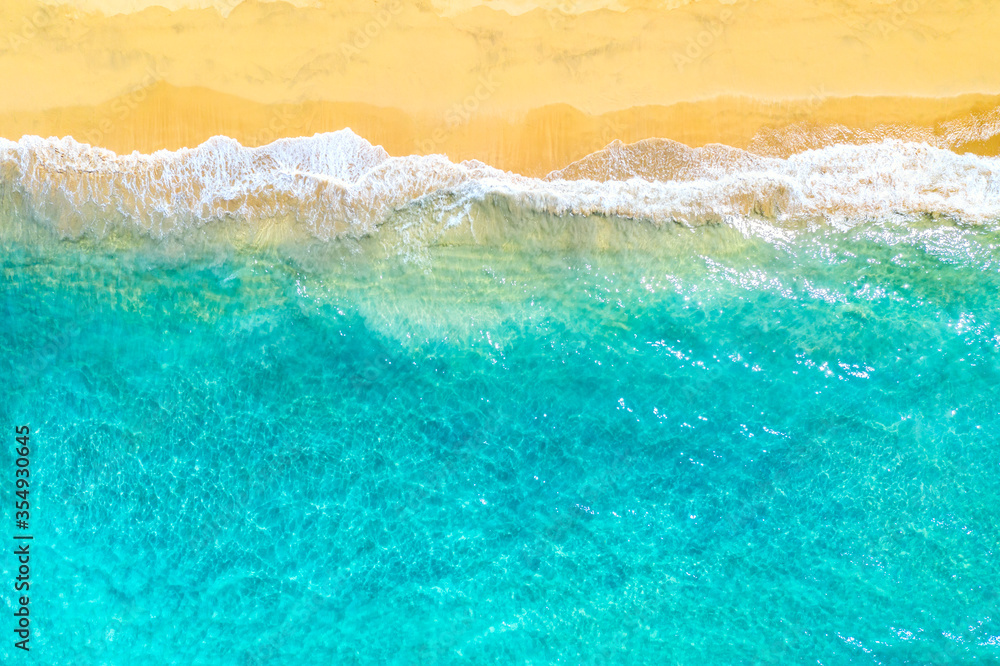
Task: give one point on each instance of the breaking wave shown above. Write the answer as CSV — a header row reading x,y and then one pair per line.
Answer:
x,y
338,184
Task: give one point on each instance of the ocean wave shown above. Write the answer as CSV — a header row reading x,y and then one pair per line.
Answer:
x,y
336,184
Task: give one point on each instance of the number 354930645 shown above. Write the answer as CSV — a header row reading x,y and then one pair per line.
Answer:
x,y
22,474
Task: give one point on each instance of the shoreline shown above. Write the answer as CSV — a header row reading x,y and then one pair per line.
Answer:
x,y
534,144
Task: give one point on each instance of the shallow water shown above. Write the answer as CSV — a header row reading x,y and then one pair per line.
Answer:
x,y
708,447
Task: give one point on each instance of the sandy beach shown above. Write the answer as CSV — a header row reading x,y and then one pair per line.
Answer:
x,y
528,92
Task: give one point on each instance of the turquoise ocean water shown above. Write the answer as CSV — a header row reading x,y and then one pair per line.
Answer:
x,y
620,445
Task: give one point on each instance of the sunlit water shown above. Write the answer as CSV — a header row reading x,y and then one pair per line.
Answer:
x,y
711,448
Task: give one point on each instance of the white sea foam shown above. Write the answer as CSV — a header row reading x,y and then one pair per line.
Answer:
x,y
338,183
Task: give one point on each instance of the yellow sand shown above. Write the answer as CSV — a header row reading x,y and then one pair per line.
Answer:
x,y
529,92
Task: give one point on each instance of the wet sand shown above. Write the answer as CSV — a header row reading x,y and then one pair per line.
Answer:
x,y
542,140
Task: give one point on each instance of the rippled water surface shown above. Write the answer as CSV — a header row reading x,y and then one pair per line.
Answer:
x,y
707,447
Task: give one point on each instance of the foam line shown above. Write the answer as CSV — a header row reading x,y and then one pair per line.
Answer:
x,y
336,183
